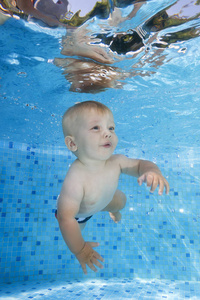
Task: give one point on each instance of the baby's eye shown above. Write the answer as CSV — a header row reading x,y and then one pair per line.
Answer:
x,y
95,127
111,128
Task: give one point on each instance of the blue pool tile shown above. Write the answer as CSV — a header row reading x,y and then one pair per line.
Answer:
x,y
152,231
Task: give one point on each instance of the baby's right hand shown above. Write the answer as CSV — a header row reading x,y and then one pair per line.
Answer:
x,y
87,256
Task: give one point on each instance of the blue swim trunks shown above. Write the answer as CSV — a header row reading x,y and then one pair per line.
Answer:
x,y
79,220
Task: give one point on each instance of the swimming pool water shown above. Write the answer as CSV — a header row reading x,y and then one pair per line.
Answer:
x,y
160,100
154,253
158,237
102,289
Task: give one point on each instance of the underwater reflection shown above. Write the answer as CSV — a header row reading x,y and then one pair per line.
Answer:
x,y
169,26
96,46
90,77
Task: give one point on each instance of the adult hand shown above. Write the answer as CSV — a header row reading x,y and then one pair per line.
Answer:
x,y
79,42
97,53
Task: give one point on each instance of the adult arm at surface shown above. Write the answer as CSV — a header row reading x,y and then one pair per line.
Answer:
x,y
79,42
146,171
76,42
27,7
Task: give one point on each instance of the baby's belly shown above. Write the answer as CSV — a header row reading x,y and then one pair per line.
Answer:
x,y
98,192
92,205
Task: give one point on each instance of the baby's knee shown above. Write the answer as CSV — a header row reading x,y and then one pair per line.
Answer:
x,y
122,199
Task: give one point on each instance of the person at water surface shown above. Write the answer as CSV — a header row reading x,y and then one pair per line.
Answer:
x,y
91,182
63,12
73,14
93,52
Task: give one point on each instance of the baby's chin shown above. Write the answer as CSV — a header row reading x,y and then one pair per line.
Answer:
x,y
106,157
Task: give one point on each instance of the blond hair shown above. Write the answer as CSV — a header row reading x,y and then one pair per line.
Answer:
x,y
72,114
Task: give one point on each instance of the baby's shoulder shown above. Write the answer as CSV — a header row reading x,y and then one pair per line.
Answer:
x,y
120,160
75,171
116,158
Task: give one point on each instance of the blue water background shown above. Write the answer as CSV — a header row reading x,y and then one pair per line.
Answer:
x,y
157,118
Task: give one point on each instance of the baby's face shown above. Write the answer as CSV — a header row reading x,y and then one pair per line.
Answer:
x,y
95,135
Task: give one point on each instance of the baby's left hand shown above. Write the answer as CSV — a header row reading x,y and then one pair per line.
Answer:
x,y
154,179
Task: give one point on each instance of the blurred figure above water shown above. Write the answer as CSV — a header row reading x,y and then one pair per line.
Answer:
x,y
97,49
62,12
48,11
176,23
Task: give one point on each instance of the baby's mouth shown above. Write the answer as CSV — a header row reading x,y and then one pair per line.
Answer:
x,y
107,145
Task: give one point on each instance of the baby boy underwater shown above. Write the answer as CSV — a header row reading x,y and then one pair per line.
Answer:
x,y
91,183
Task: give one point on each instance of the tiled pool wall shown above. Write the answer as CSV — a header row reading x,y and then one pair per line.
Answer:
x,y
158,237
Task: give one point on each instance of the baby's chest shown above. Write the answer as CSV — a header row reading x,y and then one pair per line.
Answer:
x,y
101,185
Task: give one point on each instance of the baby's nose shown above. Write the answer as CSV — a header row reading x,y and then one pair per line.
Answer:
x,y
107,134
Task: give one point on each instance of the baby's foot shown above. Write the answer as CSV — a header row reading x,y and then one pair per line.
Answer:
x,y
116,217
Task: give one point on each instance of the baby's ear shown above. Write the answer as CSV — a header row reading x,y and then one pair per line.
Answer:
x,y
69,142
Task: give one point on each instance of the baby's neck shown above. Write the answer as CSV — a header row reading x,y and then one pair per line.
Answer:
x,y
93,165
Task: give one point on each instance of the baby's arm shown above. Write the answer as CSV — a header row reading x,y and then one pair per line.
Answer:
x,y
146,171
68,206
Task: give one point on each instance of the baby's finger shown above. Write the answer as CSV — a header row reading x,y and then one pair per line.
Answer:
x,y
167,188
149,179
141,179
93,244
98,256
91,266
83,266
97,263
161,187
154,184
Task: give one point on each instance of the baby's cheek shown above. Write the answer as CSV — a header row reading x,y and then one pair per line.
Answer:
x,y
116,140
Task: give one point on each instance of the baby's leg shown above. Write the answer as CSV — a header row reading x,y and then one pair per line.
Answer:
x,y
118,202
82,225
